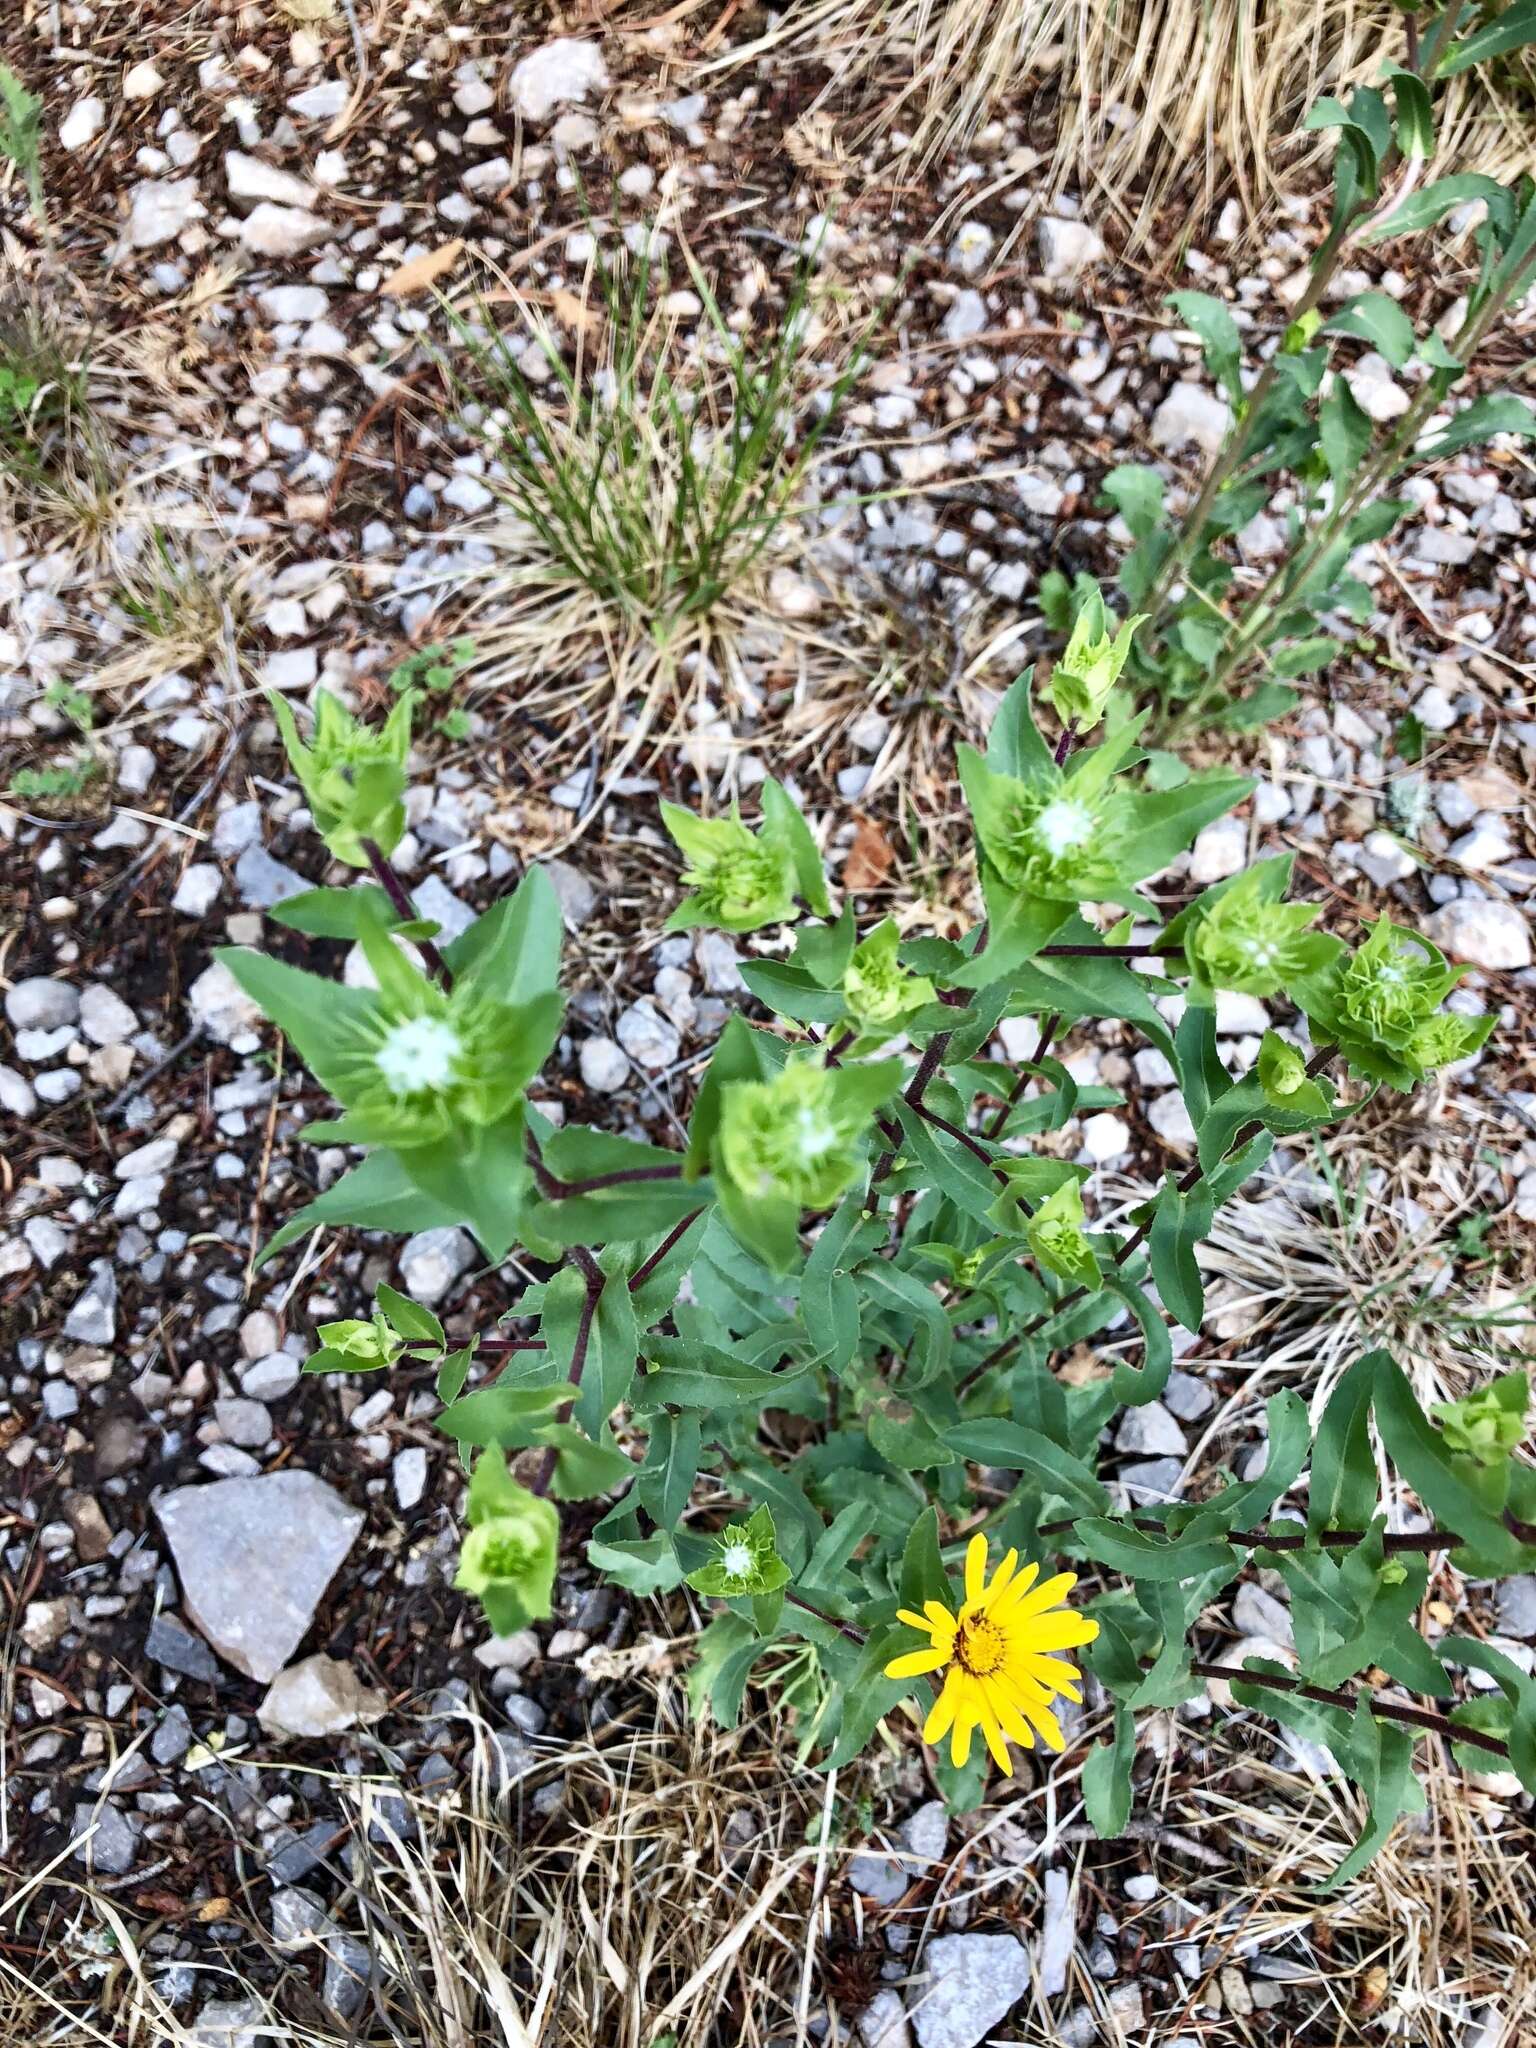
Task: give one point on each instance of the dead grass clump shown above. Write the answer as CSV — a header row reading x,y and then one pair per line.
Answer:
x,y
1169,99
1386,1239
654,1881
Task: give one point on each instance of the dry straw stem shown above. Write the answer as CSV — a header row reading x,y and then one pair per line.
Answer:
x,y
1141,93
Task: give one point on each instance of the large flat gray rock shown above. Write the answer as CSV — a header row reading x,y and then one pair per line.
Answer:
x,y
254,1557
974,1980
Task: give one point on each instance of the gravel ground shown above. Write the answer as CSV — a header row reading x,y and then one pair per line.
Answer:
x,y
253,239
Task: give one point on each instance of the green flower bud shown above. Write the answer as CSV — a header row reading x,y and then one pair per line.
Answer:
x,y
508,1556
1088,671
413,1062
1445,1038
1393,986
1286,1083
789,1137
353,776
1298,335
1055,838
746,1561
1056,1236
742,879
1253,946
878,990
1488,1425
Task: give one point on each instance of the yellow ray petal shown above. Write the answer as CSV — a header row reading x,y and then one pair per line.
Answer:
x,y
1049,1594
1048,1725
975,1568
942,1713
960,1739
1013,1723
1053,1631
939,1616
915,1663
915,1620
999,1748
1000,1578
1024,1684
1051,1674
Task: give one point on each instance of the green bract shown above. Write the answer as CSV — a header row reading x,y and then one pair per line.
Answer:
x,y
1488,1425
1085,676
1248,941
352,775
794,1142
412,1063
742,879
509,1553
878,990
1282,1072
1381,1007
746,1561
1056,1236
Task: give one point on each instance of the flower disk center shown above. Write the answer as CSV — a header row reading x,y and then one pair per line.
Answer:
x,y
980,1647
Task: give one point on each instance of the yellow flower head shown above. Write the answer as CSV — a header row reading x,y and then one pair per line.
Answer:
x,y
999,1675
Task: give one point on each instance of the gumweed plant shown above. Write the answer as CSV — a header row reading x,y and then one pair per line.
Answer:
x,y
806,1365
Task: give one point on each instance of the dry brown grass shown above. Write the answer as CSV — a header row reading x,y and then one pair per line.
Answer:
x,y
680,1890
671,1887
1168,100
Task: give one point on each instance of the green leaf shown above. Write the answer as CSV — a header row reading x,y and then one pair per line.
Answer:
x,y
792,992
830,1302
1220,341
1134,1386
1141,1556
377,1195
1497,413
1107,1778
1168,820
1510,29
1415,114
922,1567
781,817
305,1007
507,1415
482,1175
452,1372
1306,657
1182,1222
611,1341
582,1469
1014,744
512,952
1426,208
904,1438
1381,321
335,913
1136,493
1344,431
671,1466
644,1566
409,1317
1447,1489
1379,1758
990,1440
